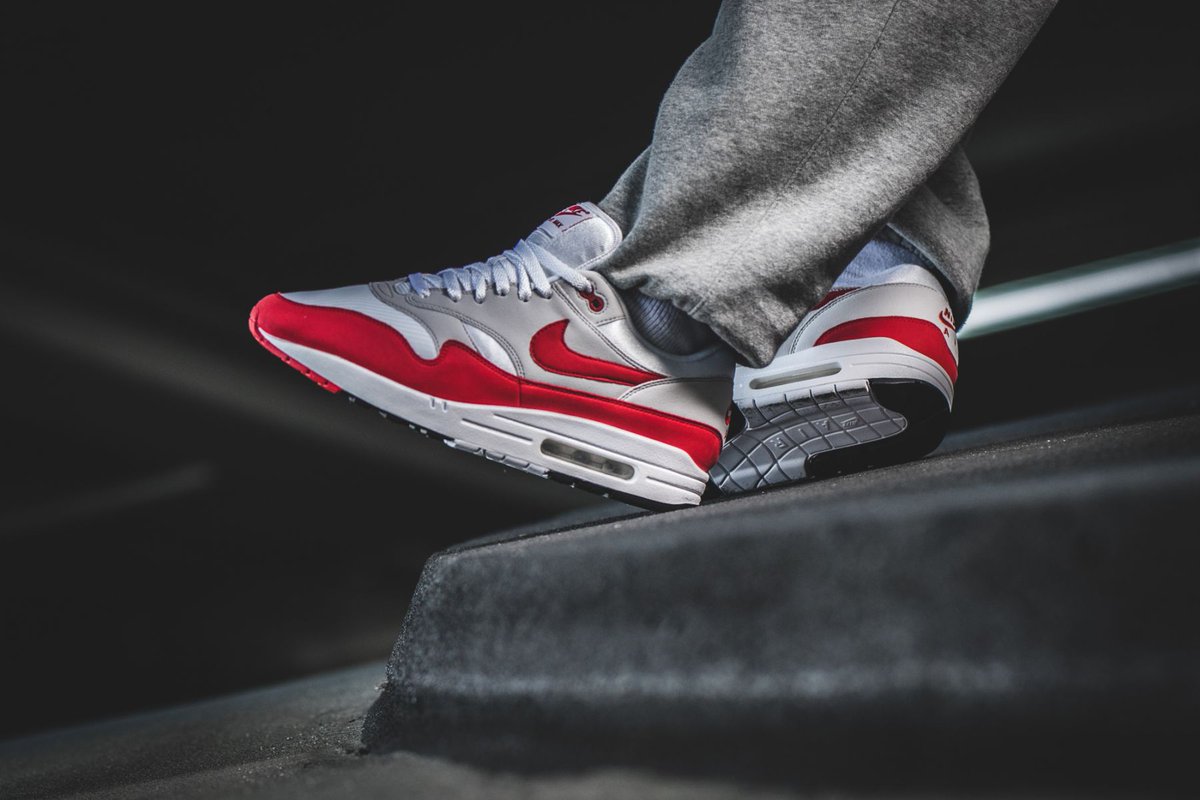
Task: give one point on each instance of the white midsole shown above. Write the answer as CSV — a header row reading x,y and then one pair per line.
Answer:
x,y
659,472
860,359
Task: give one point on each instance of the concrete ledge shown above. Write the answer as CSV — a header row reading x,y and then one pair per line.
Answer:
x,y
1014,615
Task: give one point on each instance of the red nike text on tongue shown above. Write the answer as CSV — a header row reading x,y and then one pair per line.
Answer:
x,y
576,244
565,219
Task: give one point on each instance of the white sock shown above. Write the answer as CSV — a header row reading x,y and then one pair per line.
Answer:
x,y
885,259
665,326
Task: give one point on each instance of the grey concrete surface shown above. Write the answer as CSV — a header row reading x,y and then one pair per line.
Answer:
x,y
1009,618
234,744
1010,615
296,740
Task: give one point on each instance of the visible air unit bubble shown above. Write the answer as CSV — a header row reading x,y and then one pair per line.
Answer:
x,y
583,458
769,381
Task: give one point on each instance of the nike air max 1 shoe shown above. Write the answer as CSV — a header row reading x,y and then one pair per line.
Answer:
x,y
527,358
867,379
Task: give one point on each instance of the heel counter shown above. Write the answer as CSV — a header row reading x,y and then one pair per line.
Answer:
x,y
918,335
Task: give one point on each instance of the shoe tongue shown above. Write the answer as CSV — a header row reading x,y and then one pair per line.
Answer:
x,y
578,234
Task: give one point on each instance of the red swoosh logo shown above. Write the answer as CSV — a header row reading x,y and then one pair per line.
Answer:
x,y
550,352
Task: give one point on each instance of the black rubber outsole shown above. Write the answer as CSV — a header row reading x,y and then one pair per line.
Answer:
x,y
927,415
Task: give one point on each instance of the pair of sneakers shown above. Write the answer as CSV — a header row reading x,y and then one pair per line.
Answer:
x,y
531,359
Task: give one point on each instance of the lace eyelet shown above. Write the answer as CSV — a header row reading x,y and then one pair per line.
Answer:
x,y
595,302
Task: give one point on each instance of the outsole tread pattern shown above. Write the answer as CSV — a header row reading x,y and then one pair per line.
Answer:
x,y
844,426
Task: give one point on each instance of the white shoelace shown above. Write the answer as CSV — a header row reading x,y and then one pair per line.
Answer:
x,y
531,267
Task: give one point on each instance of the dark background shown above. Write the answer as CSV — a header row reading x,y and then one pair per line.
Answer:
x,y
180,515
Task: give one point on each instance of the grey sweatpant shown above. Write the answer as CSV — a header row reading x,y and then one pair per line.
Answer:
x,y
793,134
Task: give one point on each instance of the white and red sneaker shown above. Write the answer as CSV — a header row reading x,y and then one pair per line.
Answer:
x,y
527,358
867,379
